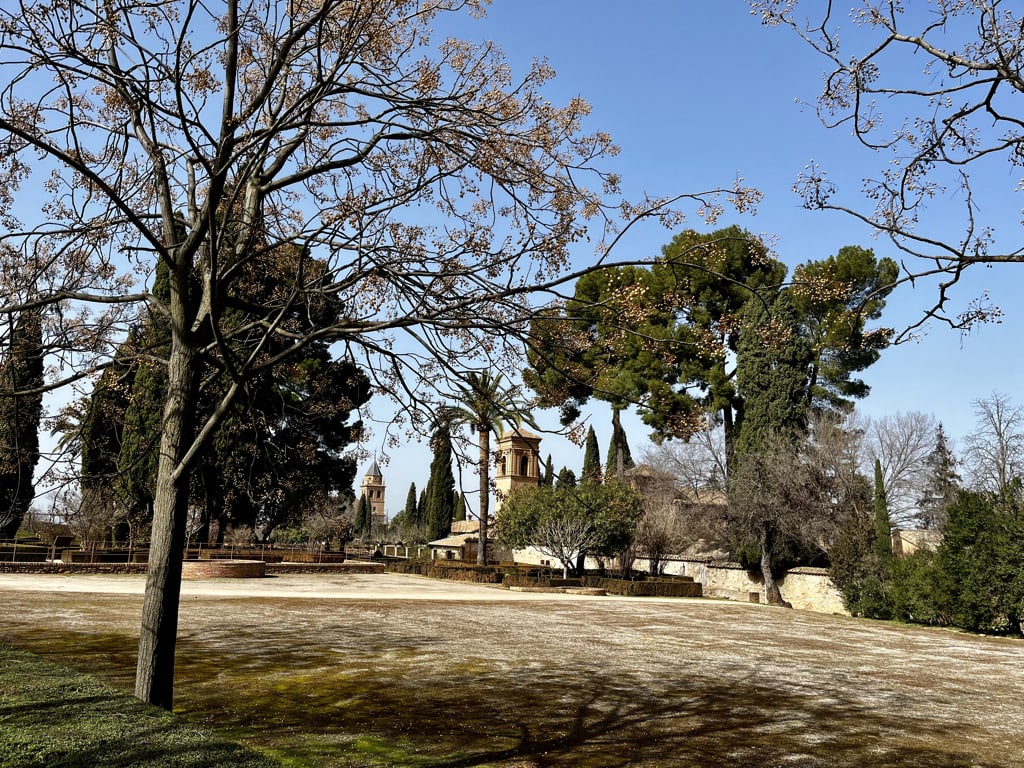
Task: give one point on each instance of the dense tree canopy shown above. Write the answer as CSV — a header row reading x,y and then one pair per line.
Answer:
x,y
666,338
567,522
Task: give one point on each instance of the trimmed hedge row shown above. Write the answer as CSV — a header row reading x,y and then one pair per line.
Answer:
x,y
647,588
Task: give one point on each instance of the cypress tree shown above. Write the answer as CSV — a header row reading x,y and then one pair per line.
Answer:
x,y
883,528
421,509
364,517
440,501
409,510
566,478
612,467
591,474
549,473
19,420
102,424
772,362
140,441
460,506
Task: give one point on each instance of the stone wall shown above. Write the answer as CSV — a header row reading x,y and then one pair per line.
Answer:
x,y
808,589
223,569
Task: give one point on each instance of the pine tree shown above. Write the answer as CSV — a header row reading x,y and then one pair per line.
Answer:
x,y
140,439
942,486
440,487
20,414
591,473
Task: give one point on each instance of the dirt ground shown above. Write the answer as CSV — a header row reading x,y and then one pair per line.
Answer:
x,y
389,670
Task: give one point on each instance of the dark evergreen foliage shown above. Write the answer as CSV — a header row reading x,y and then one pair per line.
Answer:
x,y
363,522
440,492
618,447
591,473
980,563
549,473
20,414
861,559
942,486
771,374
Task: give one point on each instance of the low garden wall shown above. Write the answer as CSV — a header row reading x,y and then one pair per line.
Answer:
x,y
223,569
60,567
809,589
678,587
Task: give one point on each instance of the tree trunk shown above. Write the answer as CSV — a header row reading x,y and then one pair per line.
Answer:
x,y
484,433
154,680
772,594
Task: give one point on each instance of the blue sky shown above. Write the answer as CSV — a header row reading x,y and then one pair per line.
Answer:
x,y
696,93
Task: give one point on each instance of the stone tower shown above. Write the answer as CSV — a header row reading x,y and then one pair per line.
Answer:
x,y
373,489
518,463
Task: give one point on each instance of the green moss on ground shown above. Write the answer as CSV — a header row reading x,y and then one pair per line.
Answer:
x,y
55,717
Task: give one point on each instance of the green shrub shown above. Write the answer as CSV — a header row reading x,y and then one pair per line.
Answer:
x,y
913,590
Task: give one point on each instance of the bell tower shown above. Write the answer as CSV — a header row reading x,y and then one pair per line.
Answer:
x,y
373,489
518,463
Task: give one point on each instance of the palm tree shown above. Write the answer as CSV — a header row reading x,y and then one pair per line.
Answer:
x,y
487,405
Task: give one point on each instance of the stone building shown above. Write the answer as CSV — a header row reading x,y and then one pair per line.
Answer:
x,y
373,489
517,457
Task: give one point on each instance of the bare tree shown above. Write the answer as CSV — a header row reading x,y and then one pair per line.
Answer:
x,y
659,533
994,452
790,499
949,75
901,443
417,185
697,464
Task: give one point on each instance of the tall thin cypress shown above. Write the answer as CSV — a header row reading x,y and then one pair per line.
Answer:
x,y
883,528
440,504
20,413
409,510
591,473
364,517
549,473
614,466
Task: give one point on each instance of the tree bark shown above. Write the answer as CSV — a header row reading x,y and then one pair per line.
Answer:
x,y
154,680
772,594
485,491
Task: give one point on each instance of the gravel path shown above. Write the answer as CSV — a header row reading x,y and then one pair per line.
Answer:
x,y
389,670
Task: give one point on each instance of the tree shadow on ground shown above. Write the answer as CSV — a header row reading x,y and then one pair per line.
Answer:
x,y
398,698
476,713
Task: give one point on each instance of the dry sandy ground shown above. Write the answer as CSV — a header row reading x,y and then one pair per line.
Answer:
x,y
389,670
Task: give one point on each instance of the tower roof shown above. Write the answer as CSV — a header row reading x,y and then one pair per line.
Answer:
x,y
374,470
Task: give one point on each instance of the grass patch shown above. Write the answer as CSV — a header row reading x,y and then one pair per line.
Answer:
x,y
53,716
